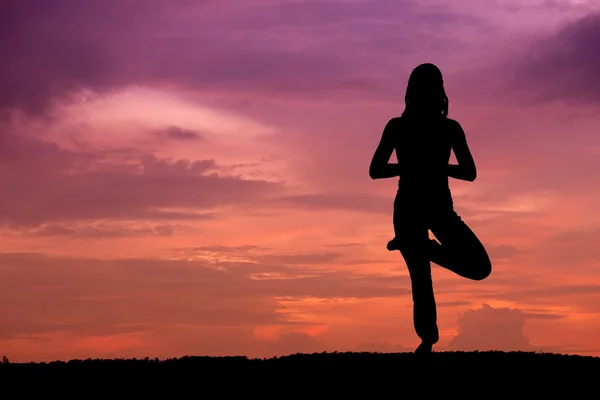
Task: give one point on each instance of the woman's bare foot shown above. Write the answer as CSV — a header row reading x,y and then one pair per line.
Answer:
x,y
393,244
424,348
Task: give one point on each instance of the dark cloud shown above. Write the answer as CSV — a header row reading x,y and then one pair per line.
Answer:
x,y
48,52
565,66
52,50
47,184
539,68
177,133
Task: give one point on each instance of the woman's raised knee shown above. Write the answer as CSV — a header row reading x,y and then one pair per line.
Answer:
x,y
472,266
481,270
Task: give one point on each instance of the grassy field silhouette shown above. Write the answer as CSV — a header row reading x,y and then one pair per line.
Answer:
x,y
452,359
312,374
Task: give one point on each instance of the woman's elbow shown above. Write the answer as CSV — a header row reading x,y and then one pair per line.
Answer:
x,y
472,176
373,172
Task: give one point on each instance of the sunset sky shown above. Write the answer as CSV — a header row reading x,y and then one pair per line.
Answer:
x,y
190,177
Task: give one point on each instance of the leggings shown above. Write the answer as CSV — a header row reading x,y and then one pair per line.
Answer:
x,y
458,250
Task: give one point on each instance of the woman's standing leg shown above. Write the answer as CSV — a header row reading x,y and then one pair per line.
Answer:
x,y
459,250
412,238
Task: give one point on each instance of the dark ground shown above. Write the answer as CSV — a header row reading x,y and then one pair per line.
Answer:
x,y
325,371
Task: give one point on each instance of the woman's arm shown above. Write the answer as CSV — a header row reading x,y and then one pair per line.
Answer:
x,y
465,170
380,166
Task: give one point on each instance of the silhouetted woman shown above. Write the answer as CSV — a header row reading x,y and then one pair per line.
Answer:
x,y
423,138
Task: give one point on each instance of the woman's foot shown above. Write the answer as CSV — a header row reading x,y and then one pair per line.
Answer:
x,y
424,348
393,244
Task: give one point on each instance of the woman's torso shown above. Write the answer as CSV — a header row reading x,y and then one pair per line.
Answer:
x,y
423,151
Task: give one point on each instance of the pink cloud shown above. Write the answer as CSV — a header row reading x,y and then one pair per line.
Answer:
x,y
48,184
489,328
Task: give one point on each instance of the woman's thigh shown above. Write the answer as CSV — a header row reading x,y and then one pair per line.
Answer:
x,y
461,244
451,230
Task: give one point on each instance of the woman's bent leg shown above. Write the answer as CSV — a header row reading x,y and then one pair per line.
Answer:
x,y
459,250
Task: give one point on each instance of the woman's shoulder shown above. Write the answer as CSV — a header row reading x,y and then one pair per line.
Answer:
x,y
452,123
401,122
395,120
394,124
452,126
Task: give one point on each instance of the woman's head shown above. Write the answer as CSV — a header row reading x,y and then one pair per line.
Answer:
x,y
425,94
